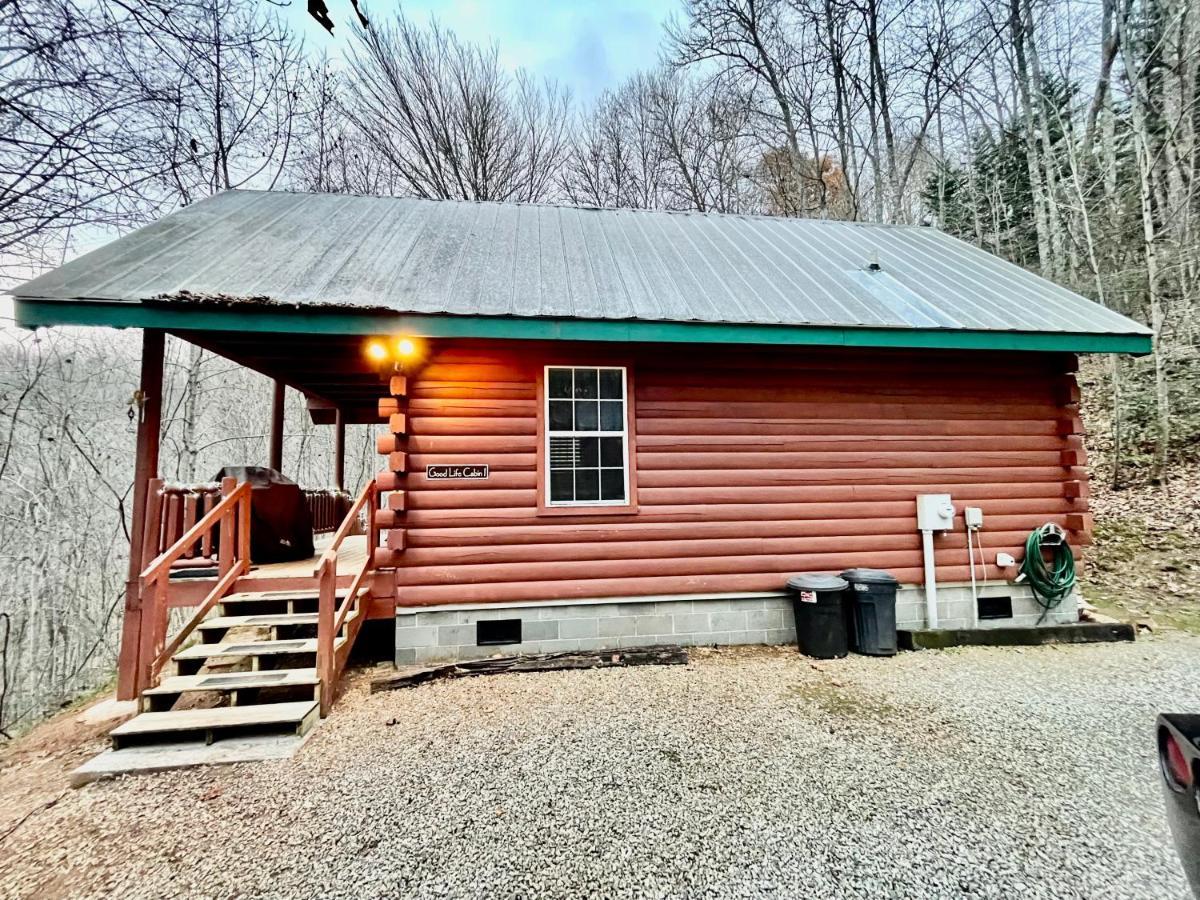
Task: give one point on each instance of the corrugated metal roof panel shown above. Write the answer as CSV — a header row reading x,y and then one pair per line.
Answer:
x,y
460,258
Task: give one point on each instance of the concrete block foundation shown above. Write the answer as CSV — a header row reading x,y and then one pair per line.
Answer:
x,y
451,633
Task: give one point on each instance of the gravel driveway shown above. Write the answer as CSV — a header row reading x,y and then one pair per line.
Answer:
x,y
978,773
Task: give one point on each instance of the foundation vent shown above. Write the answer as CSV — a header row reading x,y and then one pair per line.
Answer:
x,y
497,631
995,608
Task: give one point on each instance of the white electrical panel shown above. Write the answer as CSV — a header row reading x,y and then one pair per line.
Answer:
x,y
973,517
935,512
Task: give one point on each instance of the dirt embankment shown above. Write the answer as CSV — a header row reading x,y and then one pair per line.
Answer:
x,y
1145,563
1146,559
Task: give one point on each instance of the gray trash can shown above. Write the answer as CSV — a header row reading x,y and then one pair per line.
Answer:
x,y
819,602
872,600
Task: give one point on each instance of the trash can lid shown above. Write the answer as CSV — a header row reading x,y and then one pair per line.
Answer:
x,y
816,581
869,576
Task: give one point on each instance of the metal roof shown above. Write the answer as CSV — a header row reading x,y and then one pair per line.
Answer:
x,y
514,260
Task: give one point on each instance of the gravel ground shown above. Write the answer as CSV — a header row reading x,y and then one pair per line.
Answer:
x,y
979,772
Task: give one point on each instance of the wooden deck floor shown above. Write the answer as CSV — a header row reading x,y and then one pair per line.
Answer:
x,y
350,559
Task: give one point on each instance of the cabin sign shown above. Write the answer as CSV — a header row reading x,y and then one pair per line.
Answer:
x,y
467,472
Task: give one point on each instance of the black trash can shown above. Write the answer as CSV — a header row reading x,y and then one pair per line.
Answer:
x,y
872,598
818,600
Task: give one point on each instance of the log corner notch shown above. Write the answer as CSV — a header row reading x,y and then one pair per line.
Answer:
x,y
393,446
1073,454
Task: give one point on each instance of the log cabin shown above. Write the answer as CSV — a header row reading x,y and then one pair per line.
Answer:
x,y
597,429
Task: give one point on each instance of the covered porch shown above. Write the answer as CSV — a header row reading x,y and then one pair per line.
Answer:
x,y
191,542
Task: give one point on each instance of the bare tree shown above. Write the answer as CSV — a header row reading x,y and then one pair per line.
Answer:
x,y
449,121
331,155
72,140
222,78
616,158
114,112
662,140
746,41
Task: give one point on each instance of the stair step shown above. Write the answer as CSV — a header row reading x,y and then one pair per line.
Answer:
x,y
273,602
234,681
295,718
274,596
272,620
250,648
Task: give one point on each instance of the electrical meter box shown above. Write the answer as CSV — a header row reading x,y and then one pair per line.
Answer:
x,y
935,512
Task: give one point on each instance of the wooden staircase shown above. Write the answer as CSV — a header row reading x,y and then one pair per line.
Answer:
x,y
247,663
253,670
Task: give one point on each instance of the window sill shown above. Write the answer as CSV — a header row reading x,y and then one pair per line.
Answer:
x,y
629,510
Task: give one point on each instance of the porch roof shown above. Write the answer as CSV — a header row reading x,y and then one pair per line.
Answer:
x,y
251,261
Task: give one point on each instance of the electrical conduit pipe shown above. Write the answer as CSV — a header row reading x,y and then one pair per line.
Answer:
x,y
931,615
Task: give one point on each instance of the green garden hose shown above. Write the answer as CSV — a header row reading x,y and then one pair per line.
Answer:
x,y
1051,582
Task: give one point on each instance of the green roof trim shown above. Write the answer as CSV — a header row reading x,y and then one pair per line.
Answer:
x,y
265,318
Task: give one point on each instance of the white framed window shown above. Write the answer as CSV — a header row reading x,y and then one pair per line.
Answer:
x,y
587,436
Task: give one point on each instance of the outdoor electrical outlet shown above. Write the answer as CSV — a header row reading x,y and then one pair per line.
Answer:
x,y
1004,560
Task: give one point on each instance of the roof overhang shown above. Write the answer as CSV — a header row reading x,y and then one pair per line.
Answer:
x,y
269,318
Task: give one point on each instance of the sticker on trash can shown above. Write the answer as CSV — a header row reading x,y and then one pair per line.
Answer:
x,y
808,596
861,587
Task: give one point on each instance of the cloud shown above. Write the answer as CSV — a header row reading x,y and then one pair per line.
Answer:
x,y
585,68
606,45
589,45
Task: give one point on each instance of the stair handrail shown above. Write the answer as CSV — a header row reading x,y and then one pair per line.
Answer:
x,y
331,618
231,516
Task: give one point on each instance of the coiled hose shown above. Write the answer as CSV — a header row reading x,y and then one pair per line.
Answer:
x,y
1051,582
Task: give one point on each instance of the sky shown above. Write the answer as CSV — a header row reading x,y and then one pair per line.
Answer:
x,y
588,45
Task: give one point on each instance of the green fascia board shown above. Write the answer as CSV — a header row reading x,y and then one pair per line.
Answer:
x,y
33,313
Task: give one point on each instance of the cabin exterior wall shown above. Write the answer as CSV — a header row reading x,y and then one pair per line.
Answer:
x,y
746,465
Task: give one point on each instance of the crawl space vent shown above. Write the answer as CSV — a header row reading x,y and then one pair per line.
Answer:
x,y
995,607
497,631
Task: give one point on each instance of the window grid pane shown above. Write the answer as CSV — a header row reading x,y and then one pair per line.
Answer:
x,y
586,436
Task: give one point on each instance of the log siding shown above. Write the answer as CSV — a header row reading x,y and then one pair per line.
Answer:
x,y
749,465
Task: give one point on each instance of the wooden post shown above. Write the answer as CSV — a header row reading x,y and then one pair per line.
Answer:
x,y
152,609
372,523
145,468
243,532
152,535
191,515
339,450
276,447
327,599
227,542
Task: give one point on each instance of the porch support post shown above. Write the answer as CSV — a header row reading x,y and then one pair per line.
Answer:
x,y
276,446
145,468
339,450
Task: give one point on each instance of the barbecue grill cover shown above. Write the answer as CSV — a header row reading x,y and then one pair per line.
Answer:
x,y
280,524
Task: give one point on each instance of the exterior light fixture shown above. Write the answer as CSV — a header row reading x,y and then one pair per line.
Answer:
x,y
392,353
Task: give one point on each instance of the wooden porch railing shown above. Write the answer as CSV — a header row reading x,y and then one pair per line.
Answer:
x,y
327,508
230,518
331,618
171,511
